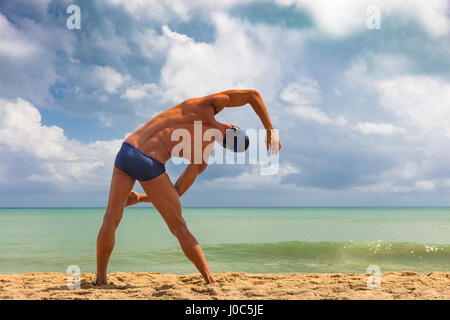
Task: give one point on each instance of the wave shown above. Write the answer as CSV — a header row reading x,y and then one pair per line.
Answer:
x,y
349,257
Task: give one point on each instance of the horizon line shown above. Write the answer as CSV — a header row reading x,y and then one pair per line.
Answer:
x,y
237,207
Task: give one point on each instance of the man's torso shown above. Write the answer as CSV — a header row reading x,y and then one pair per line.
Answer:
x,y
155,137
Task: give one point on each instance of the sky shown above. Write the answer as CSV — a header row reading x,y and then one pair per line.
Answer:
x,y
359,91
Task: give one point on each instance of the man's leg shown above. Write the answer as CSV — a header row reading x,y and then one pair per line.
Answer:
x,y
121,185
165,198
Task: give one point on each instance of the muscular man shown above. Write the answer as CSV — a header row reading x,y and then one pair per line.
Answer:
x,y
143,156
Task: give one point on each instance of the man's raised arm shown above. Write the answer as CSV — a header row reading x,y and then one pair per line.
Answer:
x,y
237,98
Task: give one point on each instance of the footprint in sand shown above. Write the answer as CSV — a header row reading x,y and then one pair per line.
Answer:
x,y
192,281
164,287
210,291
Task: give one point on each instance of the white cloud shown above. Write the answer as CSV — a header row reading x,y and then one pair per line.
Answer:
x,y
407,177
111,42
233,60
108,77
21,130
175,36
367,69
340,18
397,187
57,160
422,101
304,92
153,8
180,9
425,184
419,104
405,173
252,178
378,128
38,7
419,101
151,44
310,113
302,95
383,187
433,14
29,51
317,115
139,91
409,170
337,18
12,43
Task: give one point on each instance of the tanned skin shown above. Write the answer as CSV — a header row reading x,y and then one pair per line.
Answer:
x,y
154,139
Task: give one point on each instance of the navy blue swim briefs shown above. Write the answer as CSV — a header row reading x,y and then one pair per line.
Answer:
x,y
137,164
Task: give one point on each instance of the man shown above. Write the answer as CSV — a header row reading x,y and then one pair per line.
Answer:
x,y
143,155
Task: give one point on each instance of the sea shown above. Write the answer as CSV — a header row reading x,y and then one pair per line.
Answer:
x,y
254,240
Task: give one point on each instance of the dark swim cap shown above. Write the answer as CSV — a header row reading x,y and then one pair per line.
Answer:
x,y
236,140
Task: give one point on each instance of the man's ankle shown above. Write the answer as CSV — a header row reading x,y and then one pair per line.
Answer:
x,y
100,280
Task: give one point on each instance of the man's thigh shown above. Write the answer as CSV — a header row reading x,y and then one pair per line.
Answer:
x,y
165,198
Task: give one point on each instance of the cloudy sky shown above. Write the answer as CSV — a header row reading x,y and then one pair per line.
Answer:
x,y
363,113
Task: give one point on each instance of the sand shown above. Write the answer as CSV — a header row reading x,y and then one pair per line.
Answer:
x,y
229,285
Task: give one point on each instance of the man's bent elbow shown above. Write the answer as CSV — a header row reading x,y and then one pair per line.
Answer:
x,y
254,95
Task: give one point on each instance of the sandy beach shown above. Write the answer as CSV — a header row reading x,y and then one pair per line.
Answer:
x,y
229,285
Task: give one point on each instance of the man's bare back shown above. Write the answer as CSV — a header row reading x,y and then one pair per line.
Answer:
x,y
155,137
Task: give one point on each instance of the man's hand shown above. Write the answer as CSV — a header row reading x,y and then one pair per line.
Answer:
x,y
272,141
134,198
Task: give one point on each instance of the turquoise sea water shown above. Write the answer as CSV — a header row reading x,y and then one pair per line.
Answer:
x,y
271,240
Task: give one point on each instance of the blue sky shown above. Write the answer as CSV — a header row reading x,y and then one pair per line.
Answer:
x,y
363,114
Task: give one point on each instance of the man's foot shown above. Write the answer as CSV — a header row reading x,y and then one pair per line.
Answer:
x,y
209,279
100,282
